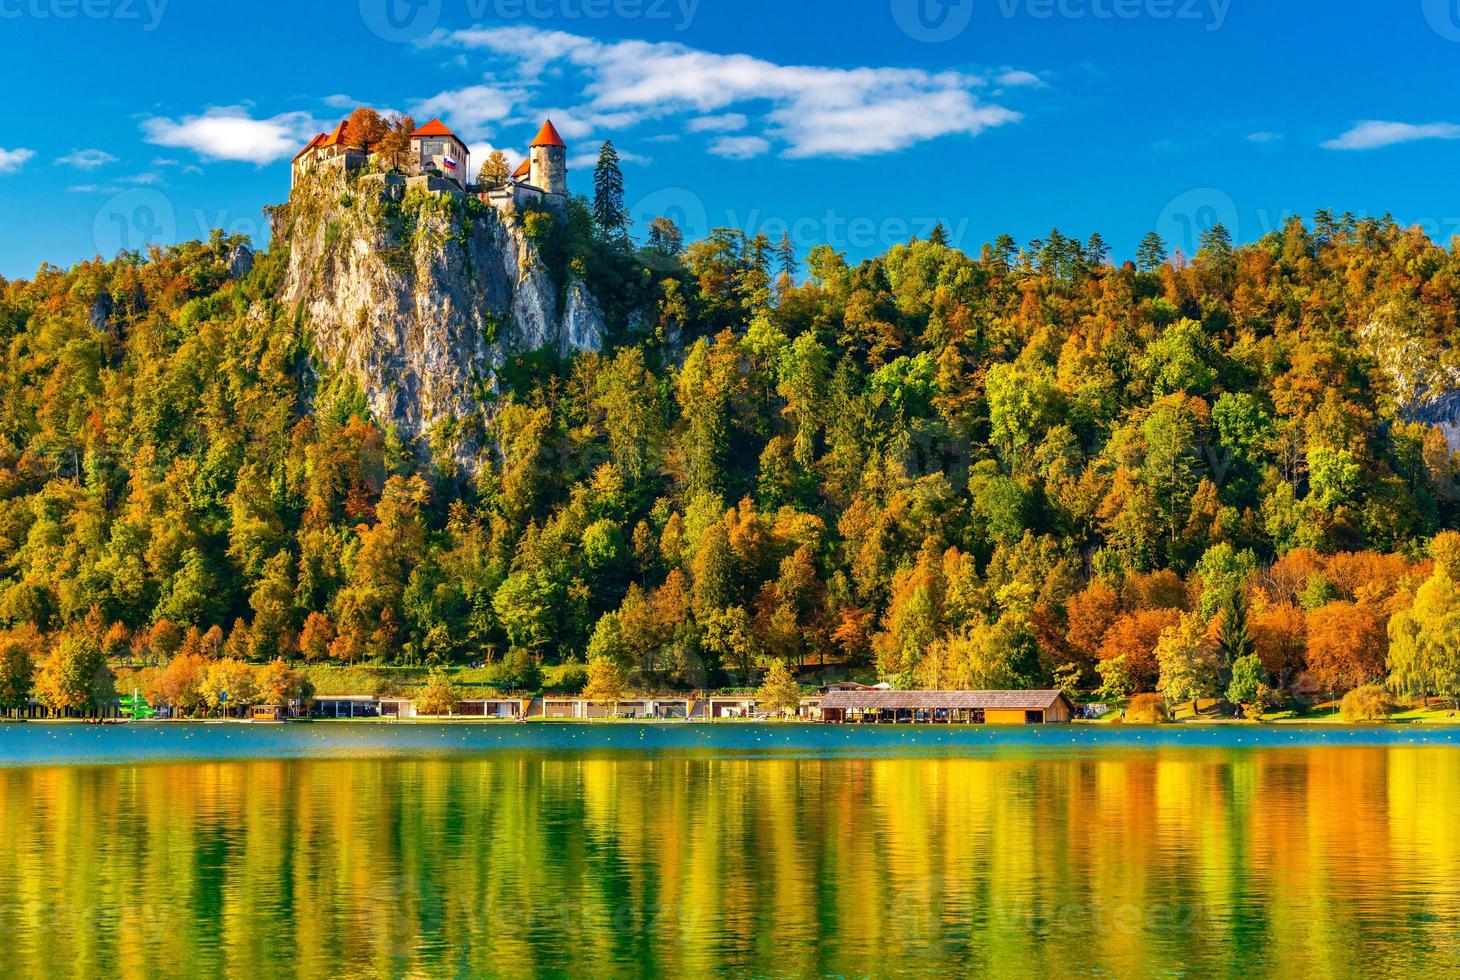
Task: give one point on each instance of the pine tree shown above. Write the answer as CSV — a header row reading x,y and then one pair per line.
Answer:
x,y
608,197
939,235
1097,253
1234,638
1216,250
786,256
755,282
1005,250
1152,253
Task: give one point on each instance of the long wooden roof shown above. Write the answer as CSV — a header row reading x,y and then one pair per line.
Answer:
x,y
928,700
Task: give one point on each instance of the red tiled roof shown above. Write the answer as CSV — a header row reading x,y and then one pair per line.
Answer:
x,y
338,135
523,170
548,136
434,128
312,144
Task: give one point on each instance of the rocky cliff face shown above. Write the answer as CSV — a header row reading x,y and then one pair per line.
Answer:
x,y
420,296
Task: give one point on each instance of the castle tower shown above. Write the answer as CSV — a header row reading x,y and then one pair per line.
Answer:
x,y
549,161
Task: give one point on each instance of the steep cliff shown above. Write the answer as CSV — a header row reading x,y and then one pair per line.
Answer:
x,y
420,296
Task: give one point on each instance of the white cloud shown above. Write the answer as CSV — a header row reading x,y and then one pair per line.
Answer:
x,y
472,109
13,160
813,111
143,178
87,159
589,160
740,147
730,122
1373,134
1015,78
1264,137
230,133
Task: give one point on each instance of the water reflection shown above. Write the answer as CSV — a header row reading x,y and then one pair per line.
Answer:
x,y
1317,860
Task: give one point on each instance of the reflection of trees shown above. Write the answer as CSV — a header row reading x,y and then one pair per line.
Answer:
x,y
691,865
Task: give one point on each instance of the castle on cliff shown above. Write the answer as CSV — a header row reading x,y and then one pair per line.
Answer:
x,y
439,161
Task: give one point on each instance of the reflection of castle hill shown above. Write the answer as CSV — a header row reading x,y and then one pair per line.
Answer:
x,y
1124,863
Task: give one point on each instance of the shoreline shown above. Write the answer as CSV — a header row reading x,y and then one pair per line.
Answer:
x,y
1334,721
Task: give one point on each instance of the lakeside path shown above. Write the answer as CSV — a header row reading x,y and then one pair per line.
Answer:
x,y
69,745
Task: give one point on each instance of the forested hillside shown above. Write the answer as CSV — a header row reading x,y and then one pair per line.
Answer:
x,y
1022,467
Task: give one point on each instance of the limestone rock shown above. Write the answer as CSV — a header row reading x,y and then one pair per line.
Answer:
x,y
420,297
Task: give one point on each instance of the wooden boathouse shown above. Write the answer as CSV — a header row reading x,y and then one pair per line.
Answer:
x,y
946,707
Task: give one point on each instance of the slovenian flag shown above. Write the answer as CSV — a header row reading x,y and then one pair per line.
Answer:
x,y
450,163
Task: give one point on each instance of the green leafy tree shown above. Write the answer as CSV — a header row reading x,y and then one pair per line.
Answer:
x,y
1424,640
1249,680
665,237
17,667
75,677
1187,661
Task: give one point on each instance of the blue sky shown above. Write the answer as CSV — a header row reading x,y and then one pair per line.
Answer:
x,y
854,123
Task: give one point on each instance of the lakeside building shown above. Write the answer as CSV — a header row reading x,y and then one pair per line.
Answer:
x,y
728,706
346,706
844,703
647,709
501,709
946,707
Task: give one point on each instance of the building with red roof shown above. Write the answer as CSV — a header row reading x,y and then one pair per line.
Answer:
x,y
434,147
541,179
325,146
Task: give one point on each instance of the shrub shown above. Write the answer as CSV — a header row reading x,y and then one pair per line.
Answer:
x,y
1147,709
517,671
568,678
1367,704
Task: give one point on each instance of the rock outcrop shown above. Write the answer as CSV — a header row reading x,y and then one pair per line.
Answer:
x,y
421,296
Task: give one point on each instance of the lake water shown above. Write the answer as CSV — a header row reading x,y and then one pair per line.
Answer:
x,y
368,850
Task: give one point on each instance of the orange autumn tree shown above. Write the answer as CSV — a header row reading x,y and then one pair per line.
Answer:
x,y
1090,615
1347,645
1134,636
1280,640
